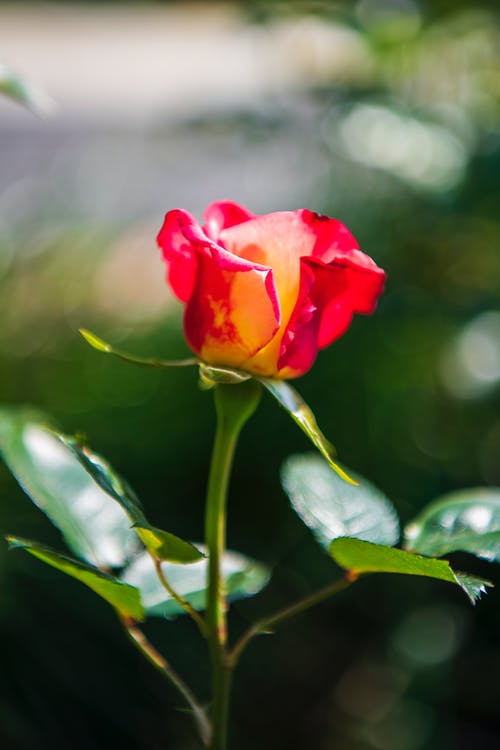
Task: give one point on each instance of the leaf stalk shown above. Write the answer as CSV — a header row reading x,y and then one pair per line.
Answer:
x,y
267,624
198,619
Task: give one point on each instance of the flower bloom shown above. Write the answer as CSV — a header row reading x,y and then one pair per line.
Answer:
x,y
264,293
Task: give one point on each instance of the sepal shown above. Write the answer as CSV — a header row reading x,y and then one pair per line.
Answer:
x,y
102,346
302,414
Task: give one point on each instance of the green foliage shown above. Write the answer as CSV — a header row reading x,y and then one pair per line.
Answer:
x,y
77,489
93,525
166,546
359,525
467,521
332,508
162,544
358,557
123,597
242,576
57,472
294,404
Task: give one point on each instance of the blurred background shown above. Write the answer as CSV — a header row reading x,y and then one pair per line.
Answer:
x,y
382,113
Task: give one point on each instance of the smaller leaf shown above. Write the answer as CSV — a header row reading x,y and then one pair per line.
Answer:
x,y
333,508
162,544
466,521
293,403
359,557
24,92
242,577
125,598
168,547
102,346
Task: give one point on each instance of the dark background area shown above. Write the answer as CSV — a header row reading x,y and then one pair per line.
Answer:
x,y
384,114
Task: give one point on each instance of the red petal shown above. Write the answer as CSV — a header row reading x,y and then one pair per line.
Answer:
x,y
234,317
332,237
233,311
346,286
299,345
347,280
330,294
232,304
179,254
224,214
278,241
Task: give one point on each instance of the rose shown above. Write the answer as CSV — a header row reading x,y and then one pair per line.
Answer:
x,y
264,293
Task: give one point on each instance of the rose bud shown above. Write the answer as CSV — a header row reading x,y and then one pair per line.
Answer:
x,y
264,293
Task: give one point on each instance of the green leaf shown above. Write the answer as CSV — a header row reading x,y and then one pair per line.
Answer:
x,y
93,525
466,521
300,412
102,346
167,546
125,598
332,508
25,93
360,557
162,544
242,577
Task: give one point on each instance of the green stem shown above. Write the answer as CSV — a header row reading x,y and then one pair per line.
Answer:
x,y
234,405
215,527
161,664
267,624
